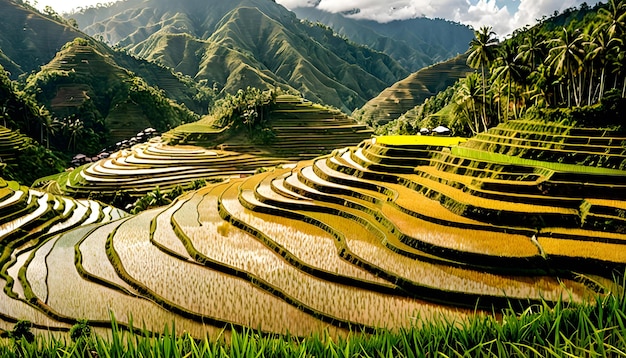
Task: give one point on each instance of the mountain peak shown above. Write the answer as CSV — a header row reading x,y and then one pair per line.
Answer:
x,y
247,43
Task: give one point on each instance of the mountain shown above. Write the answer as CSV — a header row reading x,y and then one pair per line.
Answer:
x,y
83,82
244,43
41,36
414,43
111,93
28,39
412,91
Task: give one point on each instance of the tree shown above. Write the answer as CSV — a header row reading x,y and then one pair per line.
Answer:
x,y
614,18
482,52
511,69
74,129
533,48
566,59
466,100
597,54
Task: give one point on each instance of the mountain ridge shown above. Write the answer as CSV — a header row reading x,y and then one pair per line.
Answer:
x,y
346,73
415,43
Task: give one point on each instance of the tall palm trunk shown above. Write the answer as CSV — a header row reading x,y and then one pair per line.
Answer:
x,y
484,119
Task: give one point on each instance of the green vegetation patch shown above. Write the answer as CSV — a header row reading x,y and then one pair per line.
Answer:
x,y
401,140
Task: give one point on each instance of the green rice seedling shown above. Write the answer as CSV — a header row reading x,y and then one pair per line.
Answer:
x,y
94,261
14,309
588,329
370,249
485,242
37,273
583,234
382,257
15,197
12,273
313,246
244,252
72,296
415,140
466,152
9,227
608,252
162,233
200,290
485,203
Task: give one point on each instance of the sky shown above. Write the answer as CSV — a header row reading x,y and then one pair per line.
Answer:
x,y
503,16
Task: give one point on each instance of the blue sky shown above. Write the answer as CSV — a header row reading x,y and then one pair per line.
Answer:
x,y
503,16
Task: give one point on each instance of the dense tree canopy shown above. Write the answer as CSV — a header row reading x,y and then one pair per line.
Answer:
x,y
569,61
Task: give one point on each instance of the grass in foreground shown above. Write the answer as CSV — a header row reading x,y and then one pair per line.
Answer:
x,y
595,329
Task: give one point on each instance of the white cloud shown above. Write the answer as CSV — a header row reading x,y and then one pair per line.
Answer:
x,y
504,16
487,13
531,10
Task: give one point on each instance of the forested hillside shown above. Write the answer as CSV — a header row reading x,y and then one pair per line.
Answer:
x,y
29,39
21,157
562,68
248,43
414,43
107,102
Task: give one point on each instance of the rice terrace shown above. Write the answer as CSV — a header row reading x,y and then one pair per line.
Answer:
x,y
258,218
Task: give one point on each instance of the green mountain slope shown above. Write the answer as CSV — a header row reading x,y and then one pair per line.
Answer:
x,y
404,95
29,39
246,43
414,43
82,82
22,158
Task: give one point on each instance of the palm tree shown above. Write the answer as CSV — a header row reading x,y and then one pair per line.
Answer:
x,y
566,60
465,102
597,53
42,116
4,114
482,52
511,68
543,89
75,129
533,48
614,24
614,18
52,126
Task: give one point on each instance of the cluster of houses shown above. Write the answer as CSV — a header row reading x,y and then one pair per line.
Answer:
x,y
440,130
141,137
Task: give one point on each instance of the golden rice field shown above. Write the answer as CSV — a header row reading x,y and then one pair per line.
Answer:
x,y
352,240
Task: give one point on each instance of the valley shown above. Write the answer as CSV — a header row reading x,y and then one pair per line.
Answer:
x,y
232,177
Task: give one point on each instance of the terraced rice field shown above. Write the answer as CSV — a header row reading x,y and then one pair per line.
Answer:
x,y
10,143
391,233
146,166
198,152
301,130
30,223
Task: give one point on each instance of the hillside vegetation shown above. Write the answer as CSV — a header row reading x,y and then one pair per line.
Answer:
x,y
28,39
111,103
276,130
565,66
253,43
412,91
414,43
21,157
